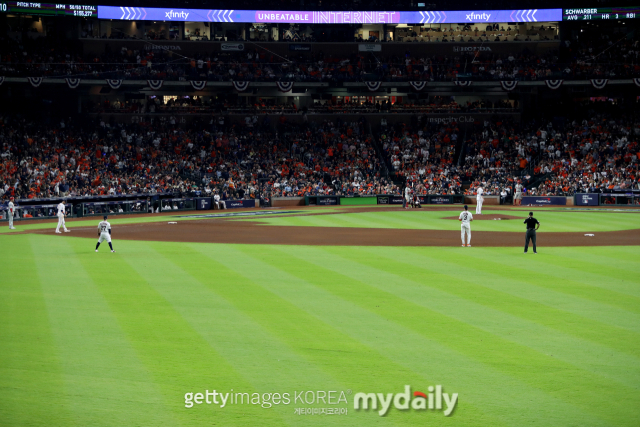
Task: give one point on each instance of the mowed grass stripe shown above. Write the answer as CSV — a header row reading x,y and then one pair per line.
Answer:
x,y
346,310
509,277
296,351
178,360
610,306
236,336
604,270
104,380
554,310
579,387
32,388
328,345
500,314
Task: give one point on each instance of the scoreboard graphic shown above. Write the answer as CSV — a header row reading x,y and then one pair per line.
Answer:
x,y
601,13
49,9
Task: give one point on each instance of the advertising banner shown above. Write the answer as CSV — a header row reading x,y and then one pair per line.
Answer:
x,y
370,47
440,200
586,199
390,200
544,200
328,200
250,203
232,46
300,47
476,17
203,203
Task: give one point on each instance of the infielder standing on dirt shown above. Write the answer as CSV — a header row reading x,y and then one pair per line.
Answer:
x,y
10,212
104,233
479,200
465,227
61,214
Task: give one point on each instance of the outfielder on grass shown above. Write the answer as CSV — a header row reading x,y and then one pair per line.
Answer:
x,y
104,233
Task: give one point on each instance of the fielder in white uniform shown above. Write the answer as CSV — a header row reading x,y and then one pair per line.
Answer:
x,y
217,201
479,200
465,227
517,199
407,197
104,233
11,212
61,214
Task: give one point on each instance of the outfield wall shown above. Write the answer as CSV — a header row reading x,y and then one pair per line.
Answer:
x,y
287,201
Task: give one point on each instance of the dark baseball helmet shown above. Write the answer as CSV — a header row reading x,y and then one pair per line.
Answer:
x,y
466,207
105,217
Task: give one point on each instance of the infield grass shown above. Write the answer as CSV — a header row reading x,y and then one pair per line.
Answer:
x,y
117,339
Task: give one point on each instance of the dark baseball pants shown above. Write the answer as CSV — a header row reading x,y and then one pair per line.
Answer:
x,y
531,235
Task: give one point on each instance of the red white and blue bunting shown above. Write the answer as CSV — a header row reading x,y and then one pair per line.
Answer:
x,y
463,82
599,83
418,85
554,84
114,84
155,84
240,86
198,85
284,86
508,85
72,82
636,80
35,81
373,86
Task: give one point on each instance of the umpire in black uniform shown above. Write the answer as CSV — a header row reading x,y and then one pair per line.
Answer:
x,y
532,225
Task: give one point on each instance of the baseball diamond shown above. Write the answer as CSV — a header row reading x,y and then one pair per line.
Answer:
x,y
319,298
337,214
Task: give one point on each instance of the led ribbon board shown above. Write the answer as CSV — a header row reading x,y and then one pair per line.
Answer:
x,y
48,9
604,13
328,17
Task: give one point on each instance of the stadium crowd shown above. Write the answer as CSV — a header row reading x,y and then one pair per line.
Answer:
x,y
252,160
611,55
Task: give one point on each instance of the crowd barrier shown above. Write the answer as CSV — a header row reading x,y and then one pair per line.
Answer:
x,y
40,211
206,203
381,199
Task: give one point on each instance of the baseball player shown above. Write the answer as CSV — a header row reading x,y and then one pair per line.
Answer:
x,y
407,196
11,212
479,200
104,233
220,204
465,228
517,199
61,214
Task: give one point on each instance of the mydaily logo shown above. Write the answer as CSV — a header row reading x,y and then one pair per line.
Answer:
x,y
171,14
403,401
434,400
477,17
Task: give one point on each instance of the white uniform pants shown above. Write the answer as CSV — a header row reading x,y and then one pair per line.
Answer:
x,y
61,223
10,220
104,236
479,205
221,205
465,229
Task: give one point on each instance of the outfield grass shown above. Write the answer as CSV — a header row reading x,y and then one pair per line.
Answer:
x,y
117,339
425,219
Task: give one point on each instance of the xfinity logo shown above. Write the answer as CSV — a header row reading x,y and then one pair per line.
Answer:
x,y
477,17
171,14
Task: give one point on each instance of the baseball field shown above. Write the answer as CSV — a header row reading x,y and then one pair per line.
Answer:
x,y
305,316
